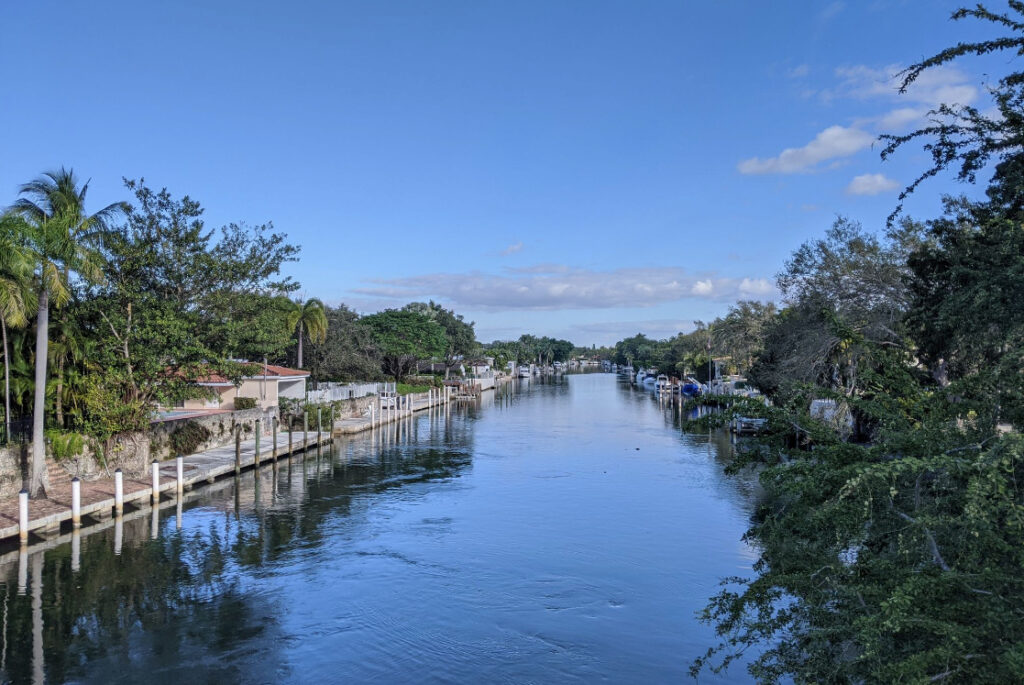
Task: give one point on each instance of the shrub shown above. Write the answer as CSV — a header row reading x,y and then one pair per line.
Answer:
x,y
245,403
187,438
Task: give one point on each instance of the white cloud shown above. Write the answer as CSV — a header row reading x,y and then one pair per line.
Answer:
x,y
871,184
942,84
832,143
702,288
799,71
512,249
554,287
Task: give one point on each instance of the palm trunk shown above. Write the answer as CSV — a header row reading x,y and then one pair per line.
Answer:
x,y
37,482
300,344
60,392
7,385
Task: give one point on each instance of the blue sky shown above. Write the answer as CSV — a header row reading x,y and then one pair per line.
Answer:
x,y
580,169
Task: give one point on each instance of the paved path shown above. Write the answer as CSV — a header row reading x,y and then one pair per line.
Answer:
x,y
97,496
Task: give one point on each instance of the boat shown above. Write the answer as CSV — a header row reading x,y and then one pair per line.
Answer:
x,y
650,380
745,425
691,388
524,371
661,383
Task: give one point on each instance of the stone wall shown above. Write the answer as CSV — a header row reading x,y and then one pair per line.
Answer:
x,y
221,427
10,470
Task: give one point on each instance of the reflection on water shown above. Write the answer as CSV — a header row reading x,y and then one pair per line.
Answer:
x,y
563,530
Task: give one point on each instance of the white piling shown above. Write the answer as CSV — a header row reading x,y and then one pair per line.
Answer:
x,y
179,462
76,502
156,482
154,529
76,550
118,535
23,515
22,569
118,492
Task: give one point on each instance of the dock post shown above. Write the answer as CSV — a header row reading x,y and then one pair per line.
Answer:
x,y
118,535
76,502
76,550
238,450
179,463
256,458
319,425
290,450
156,482
118,492
305,428
23,515
371,416
273,427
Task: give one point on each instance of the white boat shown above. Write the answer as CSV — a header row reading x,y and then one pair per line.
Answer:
x,y
661,383
650,380
524,371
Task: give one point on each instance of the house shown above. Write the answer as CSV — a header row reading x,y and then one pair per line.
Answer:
x,y
479,367
266,387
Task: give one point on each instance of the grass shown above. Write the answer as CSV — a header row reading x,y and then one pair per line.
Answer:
x,y
406,389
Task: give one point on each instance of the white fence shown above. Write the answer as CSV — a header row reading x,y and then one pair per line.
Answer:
x,y
332,392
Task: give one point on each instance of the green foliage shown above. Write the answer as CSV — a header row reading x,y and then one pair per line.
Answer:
x,y
348,353
406,389
188,437
460,339
65,445
245,403
404,337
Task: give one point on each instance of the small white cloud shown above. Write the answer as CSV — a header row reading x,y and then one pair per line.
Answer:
x,y
901,118
512,249
871,184
702,288
761,287
834,142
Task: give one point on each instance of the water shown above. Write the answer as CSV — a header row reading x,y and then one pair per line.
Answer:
x,y
565,533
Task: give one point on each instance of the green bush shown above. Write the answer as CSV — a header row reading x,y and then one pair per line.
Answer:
x,y
245,403
406,389
187,438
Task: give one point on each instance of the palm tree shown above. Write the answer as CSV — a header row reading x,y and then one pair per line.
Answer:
x,y
15,276
60,238
308,316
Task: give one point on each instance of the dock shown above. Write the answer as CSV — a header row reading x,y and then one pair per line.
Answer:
x,y
97,500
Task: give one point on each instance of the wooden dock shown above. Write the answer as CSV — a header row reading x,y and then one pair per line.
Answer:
x,y
97,498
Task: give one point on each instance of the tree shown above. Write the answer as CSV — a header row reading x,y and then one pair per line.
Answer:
x,y
307,317
348,352
404,337
967,136
175,304
15,277
459,335
57,235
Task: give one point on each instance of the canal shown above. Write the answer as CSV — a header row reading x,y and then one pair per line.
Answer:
x,y
564,532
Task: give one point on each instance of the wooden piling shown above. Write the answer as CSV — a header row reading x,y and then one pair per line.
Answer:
x,y
273,424
256,457
238,450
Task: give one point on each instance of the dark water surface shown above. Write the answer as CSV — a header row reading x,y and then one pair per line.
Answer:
x,y
524,540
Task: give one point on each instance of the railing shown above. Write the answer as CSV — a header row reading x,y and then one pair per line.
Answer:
x,y
21,431
332,392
